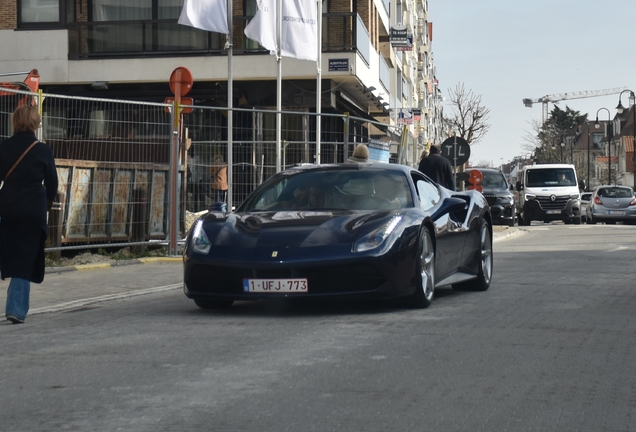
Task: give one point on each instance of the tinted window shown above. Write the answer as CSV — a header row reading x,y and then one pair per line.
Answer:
x,y
332,190
494,180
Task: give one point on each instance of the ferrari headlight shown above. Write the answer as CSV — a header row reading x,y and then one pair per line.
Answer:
x,y
200,241
376,237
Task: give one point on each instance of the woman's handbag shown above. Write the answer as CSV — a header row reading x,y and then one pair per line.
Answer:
x,y
17,162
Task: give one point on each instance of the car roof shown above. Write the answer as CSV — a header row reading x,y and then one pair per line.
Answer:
x,y
613,186
371,166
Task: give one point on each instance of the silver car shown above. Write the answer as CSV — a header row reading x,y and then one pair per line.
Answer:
x,y
585,199
610,204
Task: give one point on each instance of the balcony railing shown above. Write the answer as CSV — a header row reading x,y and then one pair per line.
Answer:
x,y
148,38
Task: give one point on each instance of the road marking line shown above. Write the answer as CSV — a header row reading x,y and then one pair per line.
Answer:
x,y
84,302
619,248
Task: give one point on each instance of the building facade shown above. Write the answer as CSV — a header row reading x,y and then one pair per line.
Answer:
x,y
118,49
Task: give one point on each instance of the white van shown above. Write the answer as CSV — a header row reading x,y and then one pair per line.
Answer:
x,y
548,192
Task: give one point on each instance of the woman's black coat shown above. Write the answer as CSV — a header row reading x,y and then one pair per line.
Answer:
x,y
23,206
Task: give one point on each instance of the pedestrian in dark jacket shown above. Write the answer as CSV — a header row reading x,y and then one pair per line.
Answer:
x,y
24,202
438,168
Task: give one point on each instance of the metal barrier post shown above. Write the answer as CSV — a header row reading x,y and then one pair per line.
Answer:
x,y
173,231
139,220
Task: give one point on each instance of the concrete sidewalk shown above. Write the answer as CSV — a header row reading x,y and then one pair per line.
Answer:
x,y
66,288
73,287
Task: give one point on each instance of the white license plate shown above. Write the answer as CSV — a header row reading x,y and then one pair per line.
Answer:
x,y
553,211
616,212
276,286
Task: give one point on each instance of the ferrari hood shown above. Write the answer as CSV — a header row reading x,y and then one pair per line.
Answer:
x,y
292,228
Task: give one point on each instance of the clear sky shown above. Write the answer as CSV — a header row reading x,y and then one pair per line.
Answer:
x,y
507,50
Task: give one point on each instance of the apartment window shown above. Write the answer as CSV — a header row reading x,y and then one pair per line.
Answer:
x,y
121,10
169,9
41,13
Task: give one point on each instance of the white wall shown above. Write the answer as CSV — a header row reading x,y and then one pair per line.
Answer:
x,y
46,51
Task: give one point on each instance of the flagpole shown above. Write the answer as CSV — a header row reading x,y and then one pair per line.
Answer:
x,y
230,104
279,97
319,81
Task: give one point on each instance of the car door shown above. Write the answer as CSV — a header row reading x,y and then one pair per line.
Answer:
x,y
449,232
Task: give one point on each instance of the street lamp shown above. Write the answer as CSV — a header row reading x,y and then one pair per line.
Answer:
x,y
597,125
619,110
554,147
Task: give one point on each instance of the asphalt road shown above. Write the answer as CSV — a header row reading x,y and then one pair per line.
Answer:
x,y
550,347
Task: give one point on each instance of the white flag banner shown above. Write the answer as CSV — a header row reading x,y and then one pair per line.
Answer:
x,y
299,28
262,28
210,15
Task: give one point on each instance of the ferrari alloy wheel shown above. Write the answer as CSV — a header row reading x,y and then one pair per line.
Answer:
x,y
425,288
484,275
204,303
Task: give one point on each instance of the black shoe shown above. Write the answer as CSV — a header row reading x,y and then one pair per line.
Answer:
x,y
14,319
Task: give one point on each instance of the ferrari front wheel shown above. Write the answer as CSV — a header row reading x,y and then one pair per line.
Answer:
x,y
425,272
484,275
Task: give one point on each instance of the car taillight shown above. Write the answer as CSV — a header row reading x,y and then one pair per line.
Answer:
x,y
633,203
598,201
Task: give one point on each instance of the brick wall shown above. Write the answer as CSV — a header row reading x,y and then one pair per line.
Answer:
x,y
8,14
337,30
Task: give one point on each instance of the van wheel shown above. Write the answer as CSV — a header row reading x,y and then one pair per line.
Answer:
x,y
576,220
525,221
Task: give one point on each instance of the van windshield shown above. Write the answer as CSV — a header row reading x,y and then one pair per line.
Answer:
x,y
550,177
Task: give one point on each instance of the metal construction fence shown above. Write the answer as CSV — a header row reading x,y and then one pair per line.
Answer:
x,y
131,172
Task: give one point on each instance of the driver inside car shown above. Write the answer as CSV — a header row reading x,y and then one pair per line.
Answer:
x,y
316,197
391,189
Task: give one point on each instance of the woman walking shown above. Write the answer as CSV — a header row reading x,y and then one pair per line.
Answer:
x,y
27,168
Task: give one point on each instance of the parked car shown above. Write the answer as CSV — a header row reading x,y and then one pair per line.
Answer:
x,y
498,194
585,199
611,204
341,231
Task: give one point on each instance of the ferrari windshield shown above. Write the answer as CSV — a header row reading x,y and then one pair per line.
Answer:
x,y
332,190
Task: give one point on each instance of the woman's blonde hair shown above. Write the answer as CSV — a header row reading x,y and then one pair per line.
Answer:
x,y
361,151
26,119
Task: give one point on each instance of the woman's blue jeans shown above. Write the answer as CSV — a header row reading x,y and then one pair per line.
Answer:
x,y
18,298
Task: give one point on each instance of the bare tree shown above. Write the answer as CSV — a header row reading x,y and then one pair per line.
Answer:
x,y
468,116
531,138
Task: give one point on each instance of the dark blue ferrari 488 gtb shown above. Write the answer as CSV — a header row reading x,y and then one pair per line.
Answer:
x,y
341,231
